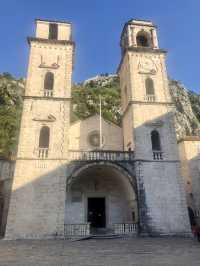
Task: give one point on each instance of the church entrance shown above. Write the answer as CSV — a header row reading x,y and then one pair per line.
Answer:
x,y
101,199
96,212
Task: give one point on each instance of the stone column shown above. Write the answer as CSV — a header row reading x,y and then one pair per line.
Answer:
x,y
154,38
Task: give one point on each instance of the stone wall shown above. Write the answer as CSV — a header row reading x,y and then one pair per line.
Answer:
x,y
162,199
189,149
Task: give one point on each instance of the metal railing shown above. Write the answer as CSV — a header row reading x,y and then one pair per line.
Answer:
x,y
150,98
77,229
125,228
48,93
101,155
158,155
43,153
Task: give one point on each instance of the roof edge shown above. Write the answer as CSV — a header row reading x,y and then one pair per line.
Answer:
x,y
53,21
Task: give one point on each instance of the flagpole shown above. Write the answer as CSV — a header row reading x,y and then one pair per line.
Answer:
x,y
100,124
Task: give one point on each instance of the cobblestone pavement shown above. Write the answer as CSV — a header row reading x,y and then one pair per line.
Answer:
x,y
115,252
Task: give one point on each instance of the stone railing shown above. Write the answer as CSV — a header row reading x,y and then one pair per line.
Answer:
x,y
101,155
43,153
77,229
157,155
48,93
125,228
150,98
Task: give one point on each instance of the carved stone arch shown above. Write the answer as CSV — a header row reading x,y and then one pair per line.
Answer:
x,y
143,39
119,167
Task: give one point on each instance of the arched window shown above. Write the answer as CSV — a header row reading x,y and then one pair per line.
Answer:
x,y
142,39
155,141
53,31
44,137
48,84
149,86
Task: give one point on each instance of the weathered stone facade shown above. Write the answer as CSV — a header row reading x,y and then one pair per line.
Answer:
x,y
189,148
59,167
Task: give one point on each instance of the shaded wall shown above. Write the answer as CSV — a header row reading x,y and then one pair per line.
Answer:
x,y
6,178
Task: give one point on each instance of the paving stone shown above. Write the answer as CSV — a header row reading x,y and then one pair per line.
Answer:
x,y
114,252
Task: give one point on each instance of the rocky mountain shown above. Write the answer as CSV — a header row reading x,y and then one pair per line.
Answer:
x,y
85,102
187,115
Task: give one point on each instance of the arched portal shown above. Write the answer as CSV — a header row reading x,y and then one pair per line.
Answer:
x,y
103,195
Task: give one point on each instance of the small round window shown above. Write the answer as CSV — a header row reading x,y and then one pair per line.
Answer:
x,y
94,139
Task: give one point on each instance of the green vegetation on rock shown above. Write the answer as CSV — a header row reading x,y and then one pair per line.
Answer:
x,y
86,98
11,91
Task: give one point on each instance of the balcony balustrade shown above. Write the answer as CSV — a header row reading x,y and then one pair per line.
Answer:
x,y
150,98
101,155
158,155
48,93
43,153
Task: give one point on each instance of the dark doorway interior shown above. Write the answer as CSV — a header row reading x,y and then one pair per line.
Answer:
x,y
96,212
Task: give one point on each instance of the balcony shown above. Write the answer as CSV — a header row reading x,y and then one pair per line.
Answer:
x,y
48,93
43,153
150,98
101,155
158,155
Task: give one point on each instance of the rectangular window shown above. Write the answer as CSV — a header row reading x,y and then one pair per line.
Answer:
x,y
53,31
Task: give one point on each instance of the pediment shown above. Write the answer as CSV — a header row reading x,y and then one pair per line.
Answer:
x,y
45,118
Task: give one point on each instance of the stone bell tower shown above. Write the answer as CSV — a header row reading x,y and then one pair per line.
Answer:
x,y
38,192
148,129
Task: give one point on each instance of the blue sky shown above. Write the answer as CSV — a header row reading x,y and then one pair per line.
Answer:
x,y
97,25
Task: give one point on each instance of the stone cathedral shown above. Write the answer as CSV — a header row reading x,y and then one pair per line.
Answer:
x,y
64,183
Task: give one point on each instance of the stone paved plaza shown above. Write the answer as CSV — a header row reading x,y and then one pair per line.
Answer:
x,y
115,252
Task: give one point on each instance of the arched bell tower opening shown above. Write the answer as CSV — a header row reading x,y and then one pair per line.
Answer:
x,y
103,196
143,39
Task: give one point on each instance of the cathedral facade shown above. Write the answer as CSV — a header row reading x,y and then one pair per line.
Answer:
x,y
76,179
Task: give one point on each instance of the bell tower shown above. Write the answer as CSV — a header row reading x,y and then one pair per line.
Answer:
x,y
38,189
148,129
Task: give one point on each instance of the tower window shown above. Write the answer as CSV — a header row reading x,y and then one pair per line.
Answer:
x,y
48,84
155,140
142,39
44,137
149,86
53,31
150,93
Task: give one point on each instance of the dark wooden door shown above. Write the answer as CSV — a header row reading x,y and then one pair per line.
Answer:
x,y
96,212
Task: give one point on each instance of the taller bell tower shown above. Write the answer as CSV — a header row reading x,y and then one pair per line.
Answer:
x,y
148,129
38,191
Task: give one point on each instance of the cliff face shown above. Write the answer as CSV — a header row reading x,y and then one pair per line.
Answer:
x,y
85,102
187,118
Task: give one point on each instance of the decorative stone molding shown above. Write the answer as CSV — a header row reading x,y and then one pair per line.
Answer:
x,y
49,118
147,66
158,123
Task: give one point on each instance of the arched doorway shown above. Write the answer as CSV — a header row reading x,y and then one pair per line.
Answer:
x,y
104,196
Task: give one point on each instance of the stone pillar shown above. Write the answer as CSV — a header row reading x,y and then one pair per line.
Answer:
x,y
154,38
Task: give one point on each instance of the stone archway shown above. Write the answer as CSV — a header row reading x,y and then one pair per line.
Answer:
x,y
101,182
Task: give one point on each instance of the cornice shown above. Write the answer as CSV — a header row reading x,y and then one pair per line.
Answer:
x,y
47,98
53,21
48,41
